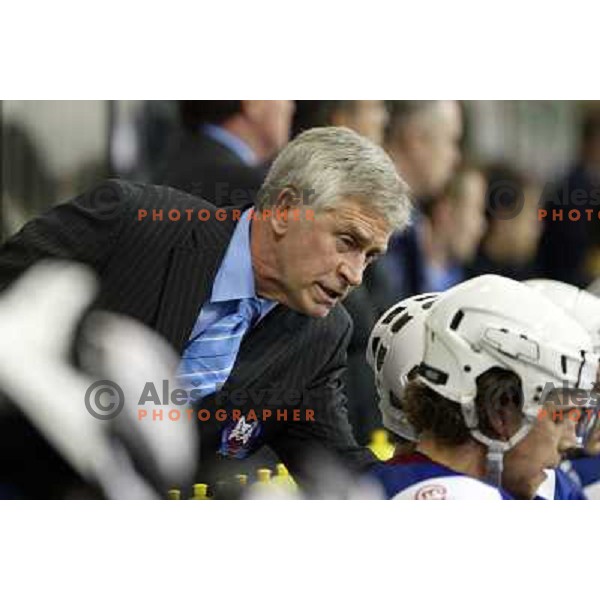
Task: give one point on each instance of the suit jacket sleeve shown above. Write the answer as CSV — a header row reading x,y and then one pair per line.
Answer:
x,y
82,230
306,444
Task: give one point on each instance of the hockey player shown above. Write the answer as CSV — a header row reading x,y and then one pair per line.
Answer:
x,y
583,467
400,331
488,369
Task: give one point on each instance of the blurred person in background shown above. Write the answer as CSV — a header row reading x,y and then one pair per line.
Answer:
x,y
222,152
510,242
423,138
570,250
453,225
27,181
367,117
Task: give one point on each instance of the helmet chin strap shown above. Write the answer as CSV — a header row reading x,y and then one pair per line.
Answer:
x,y
496,450
495,463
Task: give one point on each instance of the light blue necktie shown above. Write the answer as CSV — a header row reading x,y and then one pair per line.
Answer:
x,y
208,359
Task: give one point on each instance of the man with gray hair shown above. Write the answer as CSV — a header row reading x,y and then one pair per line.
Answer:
x,y
248,296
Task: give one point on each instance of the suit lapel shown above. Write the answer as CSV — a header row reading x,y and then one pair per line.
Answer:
x,y
193,265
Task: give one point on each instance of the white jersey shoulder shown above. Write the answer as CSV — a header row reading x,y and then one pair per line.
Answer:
x,y
547,490
592,491
456,487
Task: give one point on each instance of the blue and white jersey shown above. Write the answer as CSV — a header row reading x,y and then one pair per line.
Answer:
x,y
416,477
559,486
584,472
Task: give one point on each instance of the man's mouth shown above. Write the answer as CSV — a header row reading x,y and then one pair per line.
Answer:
x,y
330,295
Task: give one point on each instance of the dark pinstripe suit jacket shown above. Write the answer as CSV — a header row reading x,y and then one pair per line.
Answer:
x,y
160,272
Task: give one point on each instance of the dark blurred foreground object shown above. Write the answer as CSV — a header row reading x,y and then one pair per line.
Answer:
x,y
69,432
223,148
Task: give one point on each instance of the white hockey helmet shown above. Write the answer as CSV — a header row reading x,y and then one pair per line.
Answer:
x,y
395,350
580,304
491,321
585,309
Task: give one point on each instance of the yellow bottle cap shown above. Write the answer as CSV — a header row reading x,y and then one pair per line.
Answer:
x,y
174,494
380,445
379,436
200,491
263,475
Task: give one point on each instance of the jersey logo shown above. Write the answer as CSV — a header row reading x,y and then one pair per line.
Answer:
x,y
237,439
431,492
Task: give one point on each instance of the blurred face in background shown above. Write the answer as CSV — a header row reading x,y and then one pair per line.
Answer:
x,y
271,122
433,147
519,235
366,117
458,218
468,216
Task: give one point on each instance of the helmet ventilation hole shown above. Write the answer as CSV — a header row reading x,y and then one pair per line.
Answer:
x,y
458,317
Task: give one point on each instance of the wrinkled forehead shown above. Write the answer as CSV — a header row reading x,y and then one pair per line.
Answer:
x,y
368,224
359,212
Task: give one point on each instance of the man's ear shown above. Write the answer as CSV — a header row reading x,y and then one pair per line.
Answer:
x,y
281,211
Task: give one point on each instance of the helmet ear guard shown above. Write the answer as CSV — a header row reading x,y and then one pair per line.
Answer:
x,y
393,418
394,351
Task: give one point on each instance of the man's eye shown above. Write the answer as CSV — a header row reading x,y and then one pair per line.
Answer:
x,y
347,241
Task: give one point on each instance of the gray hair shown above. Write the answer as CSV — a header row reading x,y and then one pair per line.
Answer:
x,y
329,164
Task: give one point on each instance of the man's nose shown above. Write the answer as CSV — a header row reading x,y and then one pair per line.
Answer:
x,y
352,271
